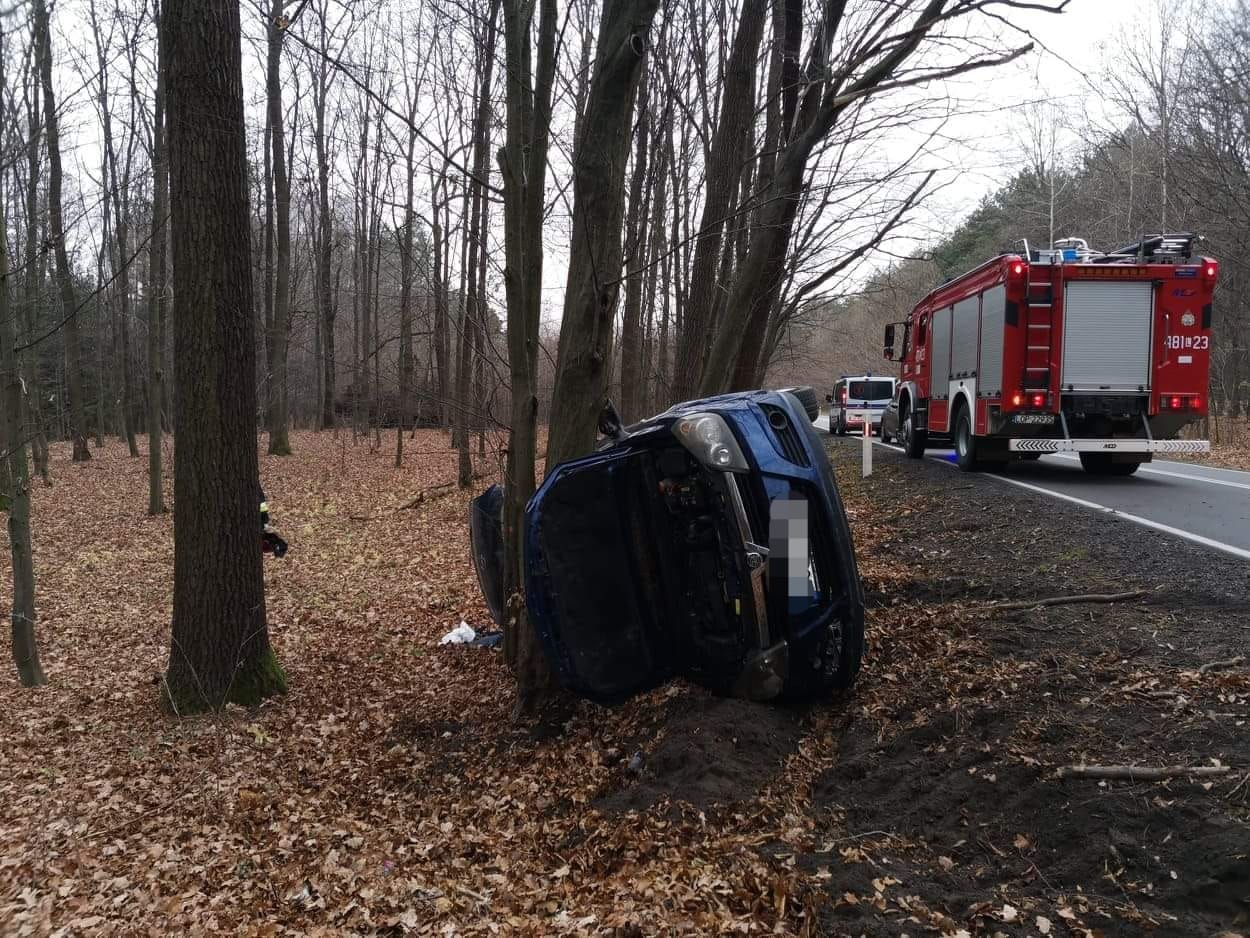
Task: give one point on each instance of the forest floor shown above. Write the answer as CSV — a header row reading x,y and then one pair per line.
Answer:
x,y
388,792
1230,444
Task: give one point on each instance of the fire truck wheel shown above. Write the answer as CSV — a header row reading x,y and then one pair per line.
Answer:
x,y
1100,464
913,439
965,443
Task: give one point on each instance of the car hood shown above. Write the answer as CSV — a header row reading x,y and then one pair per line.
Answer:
x,y
592,578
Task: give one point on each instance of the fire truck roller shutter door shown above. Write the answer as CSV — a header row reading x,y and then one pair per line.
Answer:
x,y
940,370
1106,334
990,369
964,344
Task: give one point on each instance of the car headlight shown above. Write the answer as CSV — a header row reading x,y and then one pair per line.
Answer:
x,y
710,440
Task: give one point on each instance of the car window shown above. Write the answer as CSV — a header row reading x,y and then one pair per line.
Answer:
x,y
872,390
920,330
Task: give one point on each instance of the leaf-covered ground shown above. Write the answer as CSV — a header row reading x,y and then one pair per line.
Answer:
x,y
389,793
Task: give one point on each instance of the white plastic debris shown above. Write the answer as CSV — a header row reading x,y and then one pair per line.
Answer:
x,y
462,634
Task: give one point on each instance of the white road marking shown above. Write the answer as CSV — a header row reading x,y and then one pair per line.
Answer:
x,y
1137,519
1127,516
1151,470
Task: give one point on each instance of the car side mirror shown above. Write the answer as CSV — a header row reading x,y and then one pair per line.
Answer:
x,y
828,398
889,341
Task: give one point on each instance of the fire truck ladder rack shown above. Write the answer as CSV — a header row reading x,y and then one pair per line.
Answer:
x,y
1039,318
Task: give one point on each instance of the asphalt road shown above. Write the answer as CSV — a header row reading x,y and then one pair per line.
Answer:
x,y
1196,503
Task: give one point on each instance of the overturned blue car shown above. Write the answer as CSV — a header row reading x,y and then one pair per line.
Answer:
x,y
706,543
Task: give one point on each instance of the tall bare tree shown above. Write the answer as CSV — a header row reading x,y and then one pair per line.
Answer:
x,y
41,24
220,650
157,286
599,162
523,168
15,473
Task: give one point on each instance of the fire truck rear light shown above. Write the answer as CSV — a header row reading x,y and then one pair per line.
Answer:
x,y
1018,269
1211,270
1039,400
1195,402
1016,400
1175,402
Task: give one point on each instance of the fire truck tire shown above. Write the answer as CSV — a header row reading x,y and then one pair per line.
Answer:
x,y
913,440
965,443
1100,464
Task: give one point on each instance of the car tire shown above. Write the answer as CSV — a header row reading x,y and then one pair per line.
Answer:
x,y
965,443
827,670
913,439
1101,464
807,397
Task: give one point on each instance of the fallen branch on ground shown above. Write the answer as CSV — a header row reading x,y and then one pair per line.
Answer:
x,y
435,491
1065,600
1221,665
1137,773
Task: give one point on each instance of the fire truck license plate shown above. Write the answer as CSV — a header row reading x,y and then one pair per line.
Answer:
x,y
1033,418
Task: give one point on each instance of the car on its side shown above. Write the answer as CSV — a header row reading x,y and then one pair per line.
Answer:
x,y
707,543
852,395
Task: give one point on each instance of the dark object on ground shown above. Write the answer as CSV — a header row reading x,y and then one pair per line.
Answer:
x,y
488,639
270,541
714,751
708,542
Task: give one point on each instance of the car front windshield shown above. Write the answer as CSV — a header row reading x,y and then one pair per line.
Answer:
x,y
871,390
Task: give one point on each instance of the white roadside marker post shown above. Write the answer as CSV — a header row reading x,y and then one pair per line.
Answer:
x,y
867,447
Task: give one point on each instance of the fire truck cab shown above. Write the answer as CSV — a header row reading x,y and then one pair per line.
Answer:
x,y
1060,350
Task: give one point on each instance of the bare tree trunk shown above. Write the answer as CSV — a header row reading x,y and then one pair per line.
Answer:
x,y
406,365
157,287
473,315
220,650
15,478
119,264
736,113
523,168
329,308
64,274
595,247
279,438
33,281
636,254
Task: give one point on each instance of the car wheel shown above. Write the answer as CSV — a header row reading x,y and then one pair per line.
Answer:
x,y
965,443
914,439
1100,464
831,665
807,397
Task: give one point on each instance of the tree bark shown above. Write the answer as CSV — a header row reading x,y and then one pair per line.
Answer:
x,y
220,650
35,431
157,288
329,308
15,479
595,247
64,274
636,228
279,338
523,168
473,317
724,159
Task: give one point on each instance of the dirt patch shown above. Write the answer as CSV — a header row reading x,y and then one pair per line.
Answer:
x,y
713,751
944,809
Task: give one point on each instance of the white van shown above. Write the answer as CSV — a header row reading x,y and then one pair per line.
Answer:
x,y
858,393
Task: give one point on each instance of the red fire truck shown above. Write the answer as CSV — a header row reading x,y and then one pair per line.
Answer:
x,y
1060,350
